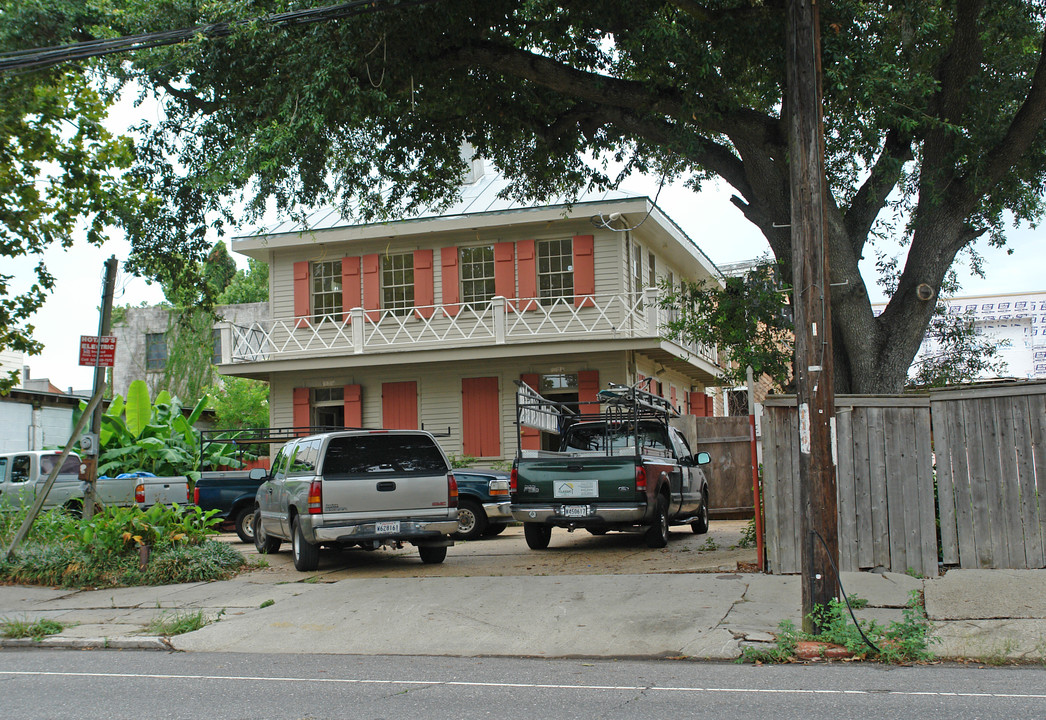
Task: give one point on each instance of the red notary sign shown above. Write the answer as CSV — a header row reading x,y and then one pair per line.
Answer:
x,y
89,350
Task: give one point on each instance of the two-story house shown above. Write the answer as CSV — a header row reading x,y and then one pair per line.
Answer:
x,y
427,322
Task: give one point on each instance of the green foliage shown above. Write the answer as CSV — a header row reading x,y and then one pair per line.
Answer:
x,y
156,436
958,354
464,461
218,269
907,640
748,536
747,320
36,629
189,369
247,286
267,603
240,403
177,623
68,551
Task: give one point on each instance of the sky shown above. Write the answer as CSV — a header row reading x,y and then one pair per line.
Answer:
x,y
708,218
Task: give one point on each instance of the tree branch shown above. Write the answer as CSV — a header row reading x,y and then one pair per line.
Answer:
x,y
871,197
194,101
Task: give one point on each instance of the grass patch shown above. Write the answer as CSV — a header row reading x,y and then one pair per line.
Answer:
x,y
177,624
37,629
907,640
267,603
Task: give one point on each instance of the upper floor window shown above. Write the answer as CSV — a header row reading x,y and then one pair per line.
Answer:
x,y
155,351
637,268
477,274
652,272
397,282
216,346
555,270
326,287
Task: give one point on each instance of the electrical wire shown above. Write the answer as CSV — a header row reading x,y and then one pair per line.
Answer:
x,y
21,61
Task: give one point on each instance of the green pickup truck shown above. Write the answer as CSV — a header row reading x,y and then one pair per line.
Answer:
x,y
623,467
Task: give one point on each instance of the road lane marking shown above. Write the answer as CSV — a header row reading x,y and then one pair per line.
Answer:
x,y
536,686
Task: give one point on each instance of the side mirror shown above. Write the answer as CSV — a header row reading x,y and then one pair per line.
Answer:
x,y
258,474
702,458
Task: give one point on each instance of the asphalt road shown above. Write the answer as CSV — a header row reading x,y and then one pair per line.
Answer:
x,y
112,684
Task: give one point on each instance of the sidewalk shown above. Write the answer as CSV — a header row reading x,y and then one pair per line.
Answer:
x,y
992,615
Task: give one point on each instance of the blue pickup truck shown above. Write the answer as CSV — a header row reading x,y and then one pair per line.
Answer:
x,y
231,492
484,509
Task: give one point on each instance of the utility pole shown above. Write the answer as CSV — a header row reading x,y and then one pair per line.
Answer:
x,y
104,323
814,375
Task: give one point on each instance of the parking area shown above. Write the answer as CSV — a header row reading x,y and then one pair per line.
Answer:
x,y
576,553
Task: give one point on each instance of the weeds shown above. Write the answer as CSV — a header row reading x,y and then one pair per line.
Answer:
x,y
67,551
747,536
267,603
710,545
901,641
37,629
177,624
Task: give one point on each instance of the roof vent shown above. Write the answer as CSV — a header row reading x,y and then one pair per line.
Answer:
x,y
477,168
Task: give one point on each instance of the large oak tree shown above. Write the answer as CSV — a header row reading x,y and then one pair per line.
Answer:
x,y
934,117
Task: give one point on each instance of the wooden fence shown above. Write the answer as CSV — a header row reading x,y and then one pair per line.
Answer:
x,y
990,445
729,475
991,475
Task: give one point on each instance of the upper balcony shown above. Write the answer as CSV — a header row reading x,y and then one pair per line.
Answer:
x,y
623,321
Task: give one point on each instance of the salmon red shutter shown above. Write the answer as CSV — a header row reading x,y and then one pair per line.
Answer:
x,y
353,406
480,415
505,270
584,271
300,415
448,258
528,274
399,405
588,389
424,283
301,293
350,286
371,286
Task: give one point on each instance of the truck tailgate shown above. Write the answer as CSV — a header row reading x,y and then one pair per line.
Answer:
x,y
576,478
386,495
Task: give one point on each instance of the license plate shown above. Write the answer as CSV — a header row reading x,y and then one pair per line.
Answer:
x,y
387,527
576,511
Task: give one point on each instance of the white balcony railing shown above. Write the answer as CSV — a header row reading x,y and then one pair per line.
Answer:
x,y
498,322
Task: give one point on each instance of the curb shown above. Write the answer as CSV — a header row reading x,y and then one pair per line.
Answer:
x,y
150,642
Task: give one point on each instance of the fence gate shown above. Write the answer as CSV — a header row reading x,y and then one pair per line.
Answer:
x,y
884,484
728,441
991,475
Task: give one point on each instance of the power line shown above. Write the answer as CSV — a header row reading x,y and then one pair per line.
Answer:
x,y
21,61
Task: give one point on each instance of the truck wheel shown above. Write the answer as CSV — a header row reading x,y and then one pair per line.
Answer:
x,y
538,536
597,531
472,520
657,534
306,555
262,542
700,526
494,529
432,554
245,525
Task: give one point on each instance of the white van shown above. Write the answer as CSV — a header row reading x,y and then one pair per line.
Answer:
x,y
22,472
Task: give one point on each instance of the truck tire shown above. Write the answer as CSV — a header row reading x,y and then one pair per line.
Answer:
x,y
306,554
244,523
262,542
537,535
494,529
432,554
700,526
472,520
657,534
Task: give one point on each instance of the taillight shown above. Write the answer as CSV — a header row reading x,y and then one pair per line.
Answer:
x,y
497,488
139,493
452,491
640,478
315,498
195,496
513,480
190,498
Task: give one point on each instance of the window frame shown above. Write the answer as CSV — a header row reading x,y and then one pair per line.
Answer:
x,y
325,291
397,283
469,297
556,265
154,362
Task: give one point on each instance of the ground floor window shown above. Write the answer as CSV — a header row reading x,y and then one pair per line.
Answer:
x,y
328,407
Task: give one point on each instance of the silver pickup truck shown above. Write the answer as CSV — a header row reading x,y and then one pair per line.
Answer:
x,y
365,488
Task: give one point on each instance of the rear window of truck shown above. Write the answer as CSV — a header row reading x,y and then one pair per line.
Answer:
x,y
386,453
